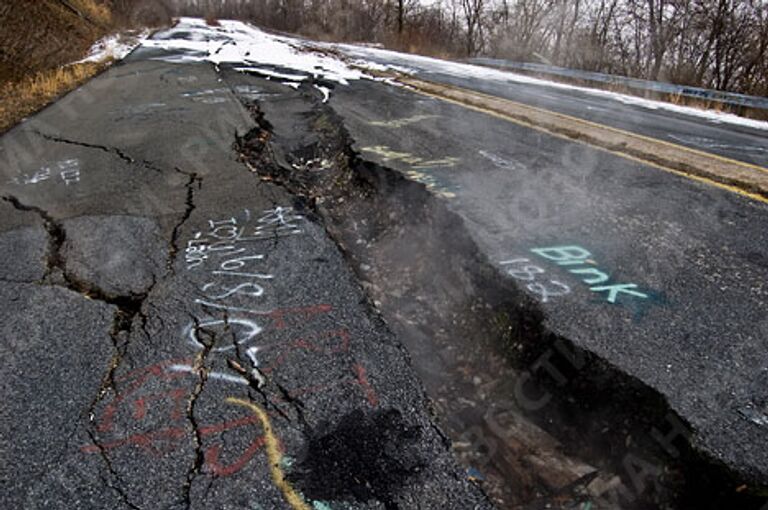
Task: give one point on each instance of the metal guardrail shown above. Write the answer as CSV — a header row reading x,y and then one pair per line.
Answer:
x,y
634,83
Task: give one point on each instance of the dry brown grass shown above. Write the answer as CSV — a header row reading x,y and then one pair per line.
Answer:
x,y
677,99
98,13
38,35
20,98
413,41
38,39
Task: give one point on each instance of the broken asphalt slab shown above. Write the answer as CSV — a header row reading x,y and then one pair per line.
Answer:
x,y
179,334
657,276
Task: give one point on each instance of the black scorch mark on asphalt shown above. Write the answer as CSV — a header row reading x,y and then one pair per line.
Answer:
x,y
368,456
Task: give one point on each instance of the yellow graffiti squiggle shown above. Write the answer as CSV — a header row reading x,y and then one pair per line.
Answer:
x,y
388,154
399,123
273,455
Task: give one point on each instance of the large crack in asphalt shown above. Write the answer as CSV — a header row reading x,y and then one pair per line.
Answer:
x,y
129,313
56,234
208,340
58,274
115,151
193,179
127,307
121,493
404,245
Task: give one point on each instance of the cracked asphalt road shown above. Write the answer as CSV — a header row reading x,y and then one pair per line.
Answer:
x,y
174,258
153,286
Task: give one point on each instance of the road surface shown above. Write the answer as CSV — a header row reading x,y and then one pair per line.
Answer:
x,y
740,142
198,258
155,291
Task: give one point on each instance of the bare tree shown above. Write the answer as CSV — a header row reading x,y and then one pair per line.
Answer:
x,y
712,43
473,13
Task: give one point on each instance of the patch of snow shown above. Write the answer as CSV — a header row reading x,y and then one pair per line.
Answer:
x,y
418,63
235,42
271,74
375,66
326,92
115,47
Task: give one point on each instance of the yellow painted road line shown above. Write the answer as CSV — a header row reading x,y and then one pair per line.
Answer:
x,y
274,455
623,132
734,188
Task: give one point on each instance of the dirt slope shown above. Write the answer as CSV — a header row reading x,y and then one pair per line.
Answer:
x,y
42,34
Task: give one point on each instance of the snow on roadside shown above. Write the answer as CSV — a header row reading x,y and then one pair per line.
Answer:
x,y
325,91
235,42
460,70
271,74
192,40
115,46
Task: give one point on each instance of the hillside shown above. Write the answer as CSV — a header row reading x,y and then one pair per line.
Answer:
x,y
41,42
43,34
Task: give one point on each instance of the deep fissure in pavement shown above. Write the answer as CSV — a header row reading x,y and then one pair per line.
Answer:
x,y
56,234
189,205
207,339
460,320
110,150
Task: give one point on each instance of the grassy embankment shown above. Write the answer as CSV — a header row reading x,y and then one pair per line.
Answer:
x,y
39,41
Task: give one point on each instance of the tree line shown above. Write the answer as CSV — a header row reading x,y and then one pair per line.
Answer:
x,y
719,44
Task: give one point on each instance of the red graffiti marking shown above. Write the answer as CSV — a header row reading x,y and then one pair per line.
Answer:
x,y
211,457
370,394
157,443
313,345
155,397
139,378
362,380
327,343
171,402
178,396
279,315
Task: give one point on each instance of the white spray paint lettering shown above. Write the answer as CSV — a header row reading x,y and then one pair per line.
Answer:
x,y
226,234
236,275
218,376
522,270
67,170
